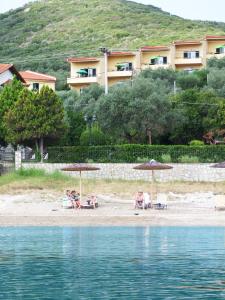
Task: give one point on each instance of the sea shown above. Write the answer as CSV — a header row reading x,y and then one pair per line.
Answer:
x,y
112,263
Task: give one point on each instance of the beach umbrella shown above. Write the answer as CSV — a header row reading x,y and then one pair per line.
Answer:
x,y
219,165
80,168
153,165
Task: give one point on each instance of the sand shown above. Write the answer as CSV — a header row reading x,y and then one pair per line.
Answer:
x,y
41,208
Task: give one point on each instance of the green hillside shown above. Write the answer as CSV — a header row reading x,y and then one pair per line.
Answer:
x,y
41,35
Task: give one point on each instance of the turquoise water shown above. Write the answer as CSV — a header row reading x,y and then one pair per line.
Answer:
x,y
112,263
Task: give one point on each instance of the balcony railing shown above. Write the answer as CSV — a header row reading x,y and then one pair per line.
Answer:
x,y
77,80
188,61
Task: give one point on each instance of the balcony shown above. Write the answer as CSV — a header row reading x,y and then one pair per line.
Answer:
x,y
81,80
112,74
155,67
211,55
188,61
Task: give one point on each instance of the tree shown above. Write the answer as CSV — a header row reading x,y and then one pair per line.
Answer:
x,y
199,110
35,116
74,118
8,96
137,113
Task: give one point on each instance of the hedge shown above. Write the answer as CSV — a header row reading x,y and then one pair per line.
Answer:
x,y
134,153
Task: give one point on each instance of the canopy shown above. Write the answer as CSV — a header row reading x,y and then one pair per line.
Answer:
x,y
82,71
152,165
80,168
154,57
219,165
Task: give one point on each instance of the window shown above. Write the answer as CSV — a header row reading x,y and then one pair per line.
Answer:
x,y
124,66
191,54
87,72
160,60
35,86
220,50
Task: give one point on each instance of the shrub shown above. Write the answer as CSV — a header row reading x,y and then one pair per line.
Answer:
x,y
196,143
93,137
130,153
166,158
188,159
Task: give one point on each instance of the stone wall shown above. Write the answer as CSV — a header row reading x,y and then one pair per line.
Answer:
x,y
180,172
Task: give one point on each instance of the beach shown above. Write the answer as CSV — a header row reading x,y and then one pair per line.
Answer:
x,y
44,208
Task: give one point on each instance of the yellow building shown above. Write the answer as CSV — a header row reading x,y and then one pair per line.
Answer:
x,y
155,57
188,55
85,71
35,81
215,46
122,66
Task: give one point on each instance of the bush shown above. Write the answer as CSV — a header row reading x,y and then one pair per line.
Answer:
x,y
134,153
93,137
196,143
188,159
166,158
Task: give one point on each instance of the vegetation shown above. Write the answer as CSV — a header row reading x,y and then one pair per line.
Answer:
x,y
56,183
32,116
136,153
45,33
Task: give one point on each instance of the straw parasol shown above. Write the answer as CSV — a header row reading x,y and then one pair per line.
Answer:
x,y
80,168
153,165
219,165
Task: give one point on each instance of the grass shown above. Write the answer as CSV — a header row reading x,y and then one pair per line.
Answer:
x,y
24,181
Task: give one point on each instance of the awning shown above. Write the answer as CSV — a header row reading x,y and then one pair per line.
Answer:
x,y
82,71
155,57
222,46
122,64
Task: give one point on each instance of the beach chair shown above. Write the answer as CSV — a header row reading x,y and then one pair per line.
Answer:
x,y
161,201
147,201
219,202
67,203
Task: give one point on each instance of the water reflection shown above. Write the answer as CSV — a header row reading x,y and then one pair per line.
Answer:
x,y
112,263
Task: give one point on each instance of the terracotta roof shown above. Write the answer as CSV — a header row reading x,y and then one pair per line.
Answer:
x,y
215,37
11,68
29,75
83,59
187,43
121,53
154,48
5,67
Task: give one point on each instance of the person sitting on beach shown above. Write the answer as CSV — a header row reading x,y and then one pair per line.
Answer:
x,y
67,200
92,200
76,199
139,200
147,200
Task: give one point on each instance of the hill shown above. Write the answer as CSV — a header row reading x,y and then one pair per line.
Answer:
x,y
41,35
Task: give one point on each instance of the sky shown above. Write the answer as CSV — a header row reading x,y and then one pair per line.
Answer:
x,y
191,9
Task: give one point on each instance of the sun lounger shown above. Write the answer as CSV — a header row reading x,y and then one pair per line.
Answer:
x,y
66,203
161,202
219,202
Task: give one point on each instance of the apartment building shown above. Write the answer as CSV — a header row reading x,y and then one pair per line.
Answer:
x,y
35,81
121,66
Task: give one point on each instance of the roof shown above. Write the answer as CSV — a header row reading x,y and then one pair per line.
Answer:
x,y
11,68
191,42
30,75
215,37
154,48
121,53
83,59
5,67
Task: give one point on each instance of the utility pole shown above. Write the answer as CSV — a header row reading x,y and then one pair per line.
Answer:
x,y
106,52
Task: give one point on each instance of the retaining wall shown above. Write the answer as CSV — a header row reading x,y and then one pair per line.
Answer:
x,y
180,172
